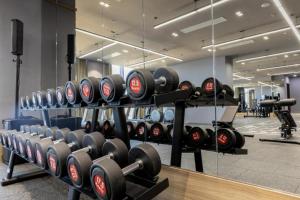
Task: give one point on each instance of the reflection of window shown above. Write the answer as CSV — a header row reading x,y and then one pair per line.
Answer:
x,y
115,69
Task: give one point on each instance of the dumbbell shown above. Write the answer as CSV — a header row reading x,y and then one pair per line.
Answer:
x,y
79,162
240,139
30,142
61,96
156,115
108,179
23,103
112,87
5,138
35,100
158,132
107,128
211,140
169,115
41,147
29,102
89,90
196,137
72,92
208,88
189,86
141,84
57,153
142,130
51,98
226,139
131,128
42,98
185,130
228,90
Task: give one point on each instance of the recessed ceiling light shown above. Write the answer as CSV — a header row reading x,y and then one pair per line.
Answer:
x,y
295,75
266,37
125,50
268,74
106,5
265,5
296,54
99,60
243,63
239,13
286,56
163,61
210,50
149,61
175,34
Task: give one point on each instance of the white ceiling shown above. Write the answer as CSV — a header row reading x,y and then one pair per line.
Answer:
x,y
132,21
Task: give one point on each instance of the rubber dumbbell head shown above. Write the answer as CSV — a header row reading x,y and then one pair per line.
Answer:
x,y
73,92
108,179
61,96
42,98
226,139
169,115
41,146
142,129
35,102
196,137
89,90
29,102
23,103
240,139
112,87
51,97
158,131
156,115
79,163
209,86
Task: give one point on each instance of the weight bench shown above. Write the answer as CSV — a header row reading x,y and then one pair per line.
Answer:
x,y
287,121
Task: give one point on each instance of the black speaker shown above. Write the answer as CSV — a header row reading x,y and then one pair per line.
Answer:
x,y
71,49
17,37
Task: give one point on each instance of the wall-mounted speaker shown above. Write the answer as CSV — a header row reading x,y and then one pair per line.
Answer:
x,y
17,37
71,49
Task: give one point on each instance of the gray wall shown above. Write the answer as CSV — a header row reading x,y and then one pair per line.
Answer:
x,y
29,12
295,93
38,70
197,71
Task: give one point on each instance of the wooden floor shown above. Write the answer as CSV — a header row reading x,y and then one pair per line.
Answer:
x,y
190,185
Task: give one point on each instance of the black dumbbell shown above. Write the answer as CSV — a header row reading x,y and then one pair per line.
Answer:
x,y
23,103
196,137
41,146
7,142
51,97
158,132
141,84
185,130
226,139
131,129
112,87
72,92
89,90
29,102
42,98
142,130
35,100
61,96
79,162
57,154
240,139
44,132
108,179
228,90
107,128
211,140
189,86
211,86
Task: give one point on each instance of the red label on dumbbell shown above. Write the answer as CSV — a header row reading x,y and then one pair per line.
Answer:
x,y
100,185
209,87
73,172
52,163
86,90
28,152
184,87
141,130
70,92
135,85
196,136
106,89
38,156
223,139
156,131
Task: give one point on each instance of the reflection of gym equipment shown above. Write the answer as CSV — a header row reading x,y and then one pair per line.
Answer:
x,y
260,110
284,116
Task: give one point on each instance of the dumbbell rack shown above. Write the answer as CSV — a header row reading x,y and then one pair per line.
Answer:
x,y
145,188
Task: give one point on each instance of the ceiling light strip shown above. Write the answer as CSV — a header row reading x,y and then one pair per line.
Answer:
x,y
267,56
279,67
199,10
125,44
243,77
266,84
285,73
97,50
249,37
287,18
149,61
